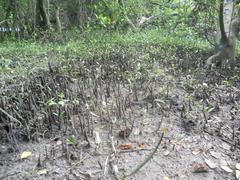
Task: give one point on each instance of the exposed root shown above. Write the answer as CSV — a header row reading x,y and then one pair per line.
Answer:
x,y
138,167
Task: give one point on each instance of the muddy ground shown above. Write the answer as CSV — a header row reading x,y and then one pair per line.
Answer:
x,y
198,112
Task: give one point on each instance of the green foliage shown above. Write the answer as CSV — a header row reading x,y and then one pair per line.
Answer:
x,y
140,46
51,103
177,11
109,14
173,30
90,43
59,101
72,140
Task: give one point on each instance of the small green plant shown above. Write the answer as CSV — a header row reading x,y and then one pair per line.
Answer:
x,y
114,120
72,140
61,100
61,96
226,82
178,137
209,108
189,85
109,14
51,102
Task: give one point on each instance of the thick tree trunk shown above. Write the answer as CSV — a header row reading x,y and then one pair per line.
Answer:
x,y
80,13
30,17
42,18
16,18
19,24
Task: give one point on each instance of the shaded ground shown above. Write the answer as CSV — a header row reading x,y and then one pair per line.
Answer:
x,y
197,111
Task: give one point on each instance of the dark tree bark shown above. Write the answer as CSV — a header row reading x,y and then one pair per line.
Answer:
x,y
57,16
5,23
42,18
78,12
18,27
30,17
18,16
81,13
71,11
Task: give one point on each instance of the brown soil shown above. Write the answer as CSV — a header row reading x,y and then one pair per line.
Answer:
x,y
198,112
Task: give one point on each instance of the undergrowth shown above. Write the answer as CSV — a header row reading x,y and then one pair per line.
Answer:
x,y
24,56
101,39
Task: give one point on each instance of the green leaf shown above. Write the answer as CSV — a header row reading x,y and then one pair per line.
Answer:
x,y
72,140
51,102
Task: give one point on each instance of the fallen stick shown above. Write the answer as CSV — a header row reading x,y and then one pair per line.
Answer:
x,y
10,117
134,150
105,167
114,167
138,167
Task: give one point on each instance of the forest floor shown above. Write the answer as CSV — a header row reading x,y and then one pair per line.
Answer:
x,y
198,112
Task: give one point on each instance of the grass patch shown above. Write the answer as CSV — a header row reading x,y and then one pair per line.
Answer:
x,y
35,54
88,42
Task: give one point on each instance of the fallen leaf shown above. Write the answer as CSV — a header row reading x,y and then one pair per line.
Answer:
x,y
166,178
136,132
125,146
165,130
166,153
142,145
42,172
104,104
226,168
238,166
206,137
93,114
59,143
238,174
217,155
200,168
115,168
26,154
210,163
97,138
196,151
205,85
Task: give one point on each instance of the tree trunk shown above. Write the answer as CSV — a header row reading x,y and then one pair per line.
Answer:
x,y
18,27
6,23
58,22
83,12
42,18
